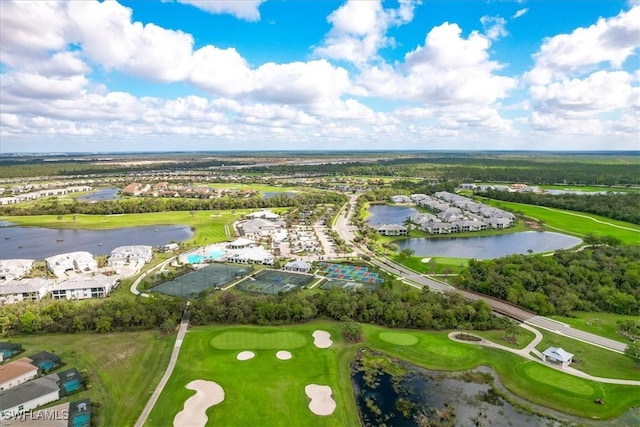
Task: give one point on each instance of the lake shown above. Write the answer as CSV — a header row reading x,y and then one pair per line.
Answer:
x,y
486,247
383,214
39,243
101,194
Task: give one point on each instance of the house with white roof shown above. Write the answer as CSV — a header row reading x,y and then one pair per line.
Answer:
x,y
11,269
299,266
74,261
127,255
558,356
401,199
264,214
391,230
84,287
251,255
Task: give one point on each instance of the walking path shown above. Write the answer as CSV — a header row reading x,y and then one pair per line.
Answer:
x,y
172,363
530,348
134,285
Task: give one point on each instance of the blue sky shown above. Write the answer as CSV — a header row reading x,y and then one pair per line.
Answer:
x,y
319,74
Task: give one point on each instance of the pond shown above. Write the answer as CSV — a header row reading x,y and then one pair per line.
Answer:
x,y
384,214
486,247
418,397
101,194
39,243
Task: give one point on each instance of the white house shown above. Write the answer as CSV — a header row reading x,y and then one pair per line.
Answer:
x,y
401,199
391,230
127,255
15,268
83,287
254,255
299,266
80,261
557,355
33,289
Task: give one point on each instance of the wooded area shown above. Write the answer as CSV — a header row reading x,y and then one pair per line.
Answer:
x,y
597,279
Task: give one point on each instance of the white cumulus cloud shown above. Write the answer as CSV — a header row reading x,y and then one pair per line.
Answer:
x,y
248,10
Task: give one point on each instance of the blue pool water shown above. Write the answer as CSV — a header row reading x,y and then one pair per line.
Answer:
x,y
81,420
215,254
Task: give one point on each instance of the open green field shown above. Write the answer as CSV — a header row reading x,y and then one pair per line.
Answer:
x,y
530,380
123,368
577,223
443,265
262,391
603,324
593,360
523,337
207,225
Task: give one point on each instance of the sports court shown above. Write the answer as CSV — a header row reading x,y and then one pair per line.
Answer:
x,y
351,273
272,282
215,275
344,284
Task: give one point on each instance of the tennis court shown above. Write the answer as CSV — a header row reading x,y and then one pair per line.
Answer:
x,y
272,282
212,276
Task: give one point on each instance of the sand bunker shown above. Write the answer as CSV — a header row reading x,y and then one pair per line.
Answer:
x,y
245,355
425,260
321,401
283,355
194,414
322,339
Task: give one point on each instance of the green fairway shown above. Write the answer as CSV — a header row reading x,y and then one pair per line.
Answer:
x,y
123,368
245,340
262,391
603,324
398,338
593,360
530,380
578,223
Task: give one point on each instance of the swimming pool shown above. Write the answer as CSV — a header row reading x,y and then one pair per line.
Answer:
x,y
214,254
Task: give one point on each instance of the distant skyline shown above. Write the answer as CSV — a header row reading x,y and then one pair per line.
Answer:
x,y
213,75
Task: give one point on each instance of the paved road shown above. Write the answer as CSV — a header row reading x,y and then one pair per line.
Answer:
x,y
566,330
347,232
172,363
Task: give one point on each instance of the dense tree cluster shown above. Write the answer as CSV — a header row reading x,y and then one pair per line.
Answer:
x,y
64,316
393,307
599,279
146,205
620,206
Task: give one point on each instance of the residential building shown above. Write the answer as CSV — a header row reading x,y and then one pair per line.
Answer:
x,y
128,255
14,373
29,395
33,289
391,230
98,286
74,261
11,269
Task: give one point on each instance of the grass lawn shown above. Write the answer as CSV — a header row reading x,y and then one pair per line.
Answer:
x,y
523,337
530,380
207,225
123,368
443,265
593,360
262,391
603,324
578,223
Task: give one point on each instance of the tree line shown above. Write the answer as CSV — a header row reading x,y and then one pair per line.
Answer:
x,y
620,206
396,307
605,279
148,204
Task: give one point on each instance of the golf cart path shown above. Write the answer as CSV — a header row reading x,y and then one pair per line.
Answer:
x,y
525,352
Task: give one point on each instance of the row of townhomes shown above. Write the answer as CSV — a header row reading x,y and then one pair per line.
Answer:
x,y
452,213
77,275
26,384
165,189
50,192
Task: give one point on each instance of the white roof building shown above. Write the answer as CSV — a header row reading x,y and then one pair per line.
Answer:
x,y
126,255
254,255
265,214
240,243
98,286
401,199
557,355
33,289
299,265
11,269
81,261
